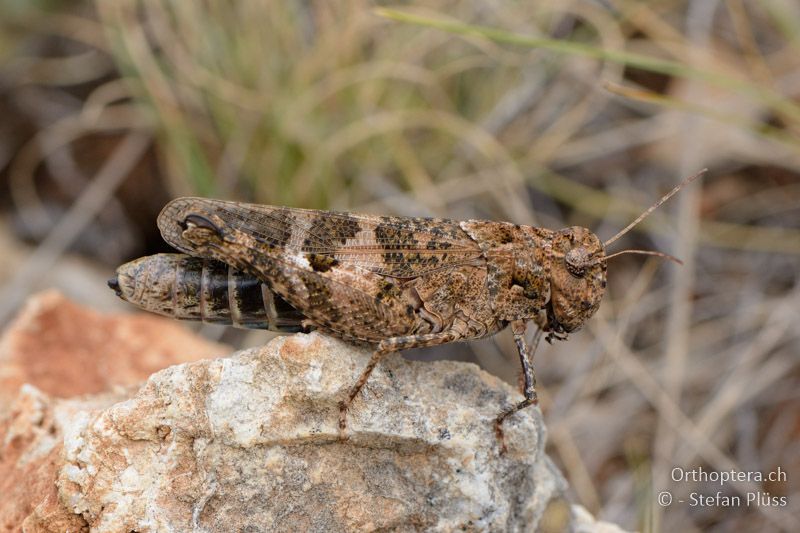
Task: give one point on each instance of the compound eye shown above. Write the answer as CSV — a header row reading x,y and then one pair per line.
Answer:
x,y
576,261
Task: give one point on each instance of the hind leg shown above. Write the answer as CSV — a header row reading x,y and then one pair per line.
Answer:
x,y
386,347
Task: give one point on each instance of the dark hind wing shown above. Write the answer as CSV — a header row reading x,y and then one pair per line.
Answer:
x,y
391,246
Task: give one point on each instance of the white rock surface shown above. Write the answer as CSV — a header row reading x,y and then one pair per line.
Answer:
x,y
250,442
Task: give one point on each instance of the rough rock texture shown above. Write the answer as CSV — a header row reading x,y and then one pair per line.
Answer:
x,y
31,456
66,350
55,349
250,443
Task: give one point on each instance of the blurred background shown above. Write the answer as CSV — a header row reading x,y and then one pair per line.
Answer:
x,y
548,113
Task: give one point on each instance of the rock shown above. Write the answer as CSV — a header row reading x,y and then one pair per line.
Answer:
x,y
56,349
250,443
31,457
66,350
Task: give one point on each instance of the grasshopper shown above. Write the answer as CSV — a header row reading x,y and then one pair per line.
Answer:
x,y
391,282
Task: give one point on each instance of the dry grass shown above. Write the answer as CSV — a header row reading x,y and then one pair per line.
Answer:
x,y
549,113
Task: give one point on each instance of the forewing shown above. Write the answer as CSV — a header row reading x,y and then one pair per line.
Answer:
x,y
391,246
343,299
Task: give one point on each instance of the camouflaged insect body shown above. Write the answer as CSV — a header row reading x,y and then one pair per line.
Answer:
x,y
392,282
372,278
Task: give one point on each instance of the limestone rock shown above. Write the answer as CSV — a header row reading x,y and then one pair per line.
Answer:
x,y
31,455
250,442
66,350
55,349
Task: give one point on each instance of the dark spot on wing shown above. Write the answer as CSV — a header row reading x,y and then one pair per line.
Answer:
x,y
395,239
321,262
331,229
387,290
438,245
283,221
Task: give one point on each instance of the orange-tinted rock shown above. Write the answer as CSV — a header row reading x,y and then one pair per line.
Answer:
x,y
66,350
56,350
31,455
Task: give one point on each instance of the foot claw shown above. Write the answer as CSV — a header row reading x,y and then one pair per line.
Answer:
x,y
500,435
342,420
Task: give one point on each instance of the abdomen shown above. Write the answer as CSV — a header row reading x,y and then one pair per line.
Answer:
x,y
192,288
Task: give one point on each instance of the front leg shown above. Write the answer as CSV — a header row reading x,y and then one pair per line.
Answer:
x,y
529,390
386,347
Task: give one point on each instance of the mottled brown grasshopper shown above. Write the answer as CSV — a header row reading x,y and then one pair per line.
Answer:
x,y
392,282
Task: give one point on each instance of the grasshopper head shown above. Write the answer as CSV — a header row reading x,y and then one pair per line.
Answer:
x,y
578,269
577,277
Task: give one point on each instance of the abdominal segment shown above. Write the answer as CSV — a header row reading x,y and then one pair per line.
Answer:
x,y
192,288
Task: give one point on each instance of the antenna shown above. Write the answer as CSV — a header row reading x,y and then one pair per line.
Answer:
x,y
641,252
647,213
